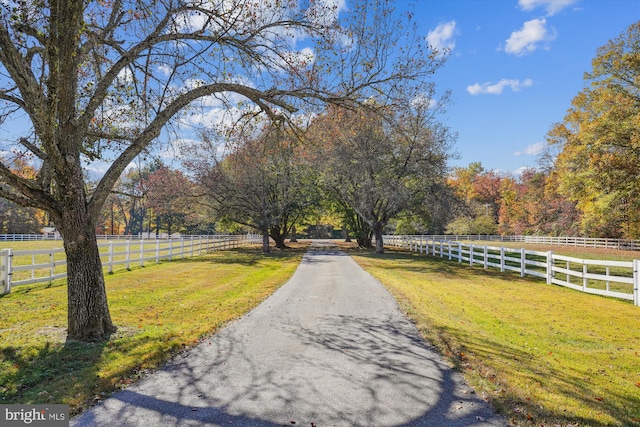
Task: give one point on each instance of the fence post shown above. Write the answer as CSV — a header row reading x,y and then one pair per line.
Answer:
x,y
523,261
110,257
141,253
33,262
584,276
128,255
486,257
52,265
502,261
459,252
549,267
471,254
636,282
5,274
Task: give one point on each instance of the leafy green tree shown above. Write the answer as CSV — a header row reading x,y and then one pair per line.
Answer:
x,y
530,204
263,183
480,224
379,165
478,191
14,218
170,197
600,140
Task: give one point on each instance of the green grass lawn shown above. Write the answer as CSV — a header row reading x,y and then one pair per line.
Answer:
x,y
544,355
159,310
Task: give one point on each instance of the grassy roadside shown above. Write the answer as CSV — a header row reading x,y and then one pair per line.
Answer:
x,y
159,309
543,355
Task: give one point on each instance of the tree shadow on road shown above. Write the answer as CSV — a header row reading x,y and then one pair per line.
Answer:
x,y
353,371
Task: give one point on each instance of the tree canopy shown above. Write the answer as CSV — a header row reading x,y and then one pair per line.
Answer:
x,y
378,164
259,181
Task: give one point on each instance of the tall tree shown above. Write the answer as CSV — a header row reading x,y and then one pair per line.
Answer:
x,y
99,79
262,183
169,196
463,180
530,204
478,191
600,139
379,165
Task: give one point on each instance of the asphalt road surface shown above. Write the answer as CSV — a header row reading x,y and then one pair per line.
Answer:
x,y
329,348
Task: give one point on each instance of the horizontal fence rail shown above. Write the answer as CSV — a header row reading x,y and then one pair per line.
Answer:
x,y
617,279
25,267
57,236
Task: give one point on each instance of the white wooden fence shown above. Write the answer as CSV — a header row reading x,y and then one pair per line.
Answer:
x,y
618,279
589,242
24,267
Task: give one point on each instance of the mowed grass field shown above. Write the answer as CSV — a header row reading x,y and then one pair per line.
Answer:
x,y
544,355
160,309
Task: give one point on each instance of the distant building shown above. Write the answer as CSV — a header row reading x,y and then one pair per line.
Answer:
x,y
50,233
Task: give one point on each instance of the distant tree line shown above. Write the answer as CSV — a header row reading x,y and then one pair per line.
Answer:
x,y
588,180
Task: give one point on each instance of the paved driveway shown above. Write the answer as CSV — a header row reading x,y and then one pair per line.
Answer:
x,y
329,348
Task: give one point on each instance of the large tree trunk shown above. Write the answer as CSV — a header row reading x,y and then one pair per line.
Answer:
x,y
278,235
347,236
88,311
265,241
379,243
280,241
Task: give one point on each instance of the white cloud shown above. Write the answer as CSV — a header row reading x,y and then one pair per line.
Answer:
x,y
533,149
551,6
423,100
518,172
220,118
529,37
165,69
497,88
442,36
125,76
325,12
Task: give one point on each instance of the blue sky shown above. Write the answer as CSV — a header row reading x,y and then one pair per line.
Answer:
x,y
515,67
